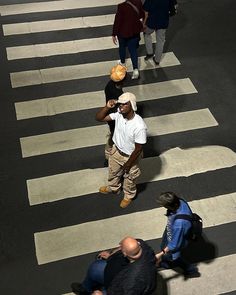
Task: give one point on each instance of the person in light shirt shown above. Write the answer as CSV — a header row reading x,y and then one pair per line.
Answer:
x,y
129,136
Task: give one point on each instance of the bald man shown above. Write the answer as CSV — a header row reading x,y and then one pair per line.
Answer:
x,y
129,269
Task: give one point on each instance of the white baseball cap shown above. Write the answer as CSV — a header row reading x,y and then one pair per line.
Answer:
x,y
128,96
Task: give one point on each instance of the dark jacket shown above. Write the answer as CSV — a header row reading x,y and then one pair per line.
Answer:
x,y
127,22
137,278
158,13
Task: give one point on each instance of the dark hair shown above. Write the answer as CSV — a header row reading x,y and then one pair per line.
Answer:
x,y
169,200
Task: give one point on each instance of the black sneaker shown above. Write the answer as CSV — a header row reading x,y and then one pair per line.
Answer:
x,y
78,289
155,62
148,56
192,274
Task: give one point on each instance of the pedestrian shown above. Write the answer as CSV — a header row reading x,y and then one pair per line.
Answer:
x,y
129,136
175,236
156,20
130,269
113,90
126,30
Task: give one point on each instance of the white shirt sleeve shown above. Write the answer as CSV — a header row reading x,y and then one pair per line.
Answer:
x,y
141,136
114,116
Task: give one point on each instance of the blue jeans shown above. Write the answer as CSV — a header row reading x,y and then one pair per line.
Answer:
x,y
132,44
95,275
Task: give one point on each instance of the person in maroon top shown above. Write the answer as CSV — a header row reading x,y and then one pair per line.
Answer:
x,y
126,30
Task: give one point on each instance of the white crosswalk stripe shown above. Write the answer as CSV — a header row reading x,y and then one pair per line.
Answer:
x,y
170,164
56,243
96,135
88,100
53,6
81,71
58,25
60,48
74,240
211,273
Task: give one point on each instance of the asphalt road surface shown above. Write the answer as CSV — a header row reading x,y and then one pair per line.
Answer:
x,y
55,61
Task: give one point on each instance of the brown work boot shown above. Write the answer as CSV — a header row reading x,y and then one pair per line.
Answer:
x,y
107,190
125,202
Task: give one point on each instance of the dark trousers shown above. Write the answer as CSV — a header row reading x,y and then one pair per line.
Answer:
x,y
95,275
132,44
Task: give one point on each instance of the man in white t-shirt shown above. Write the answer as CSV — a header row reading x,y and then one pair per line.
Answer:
x,y
129,136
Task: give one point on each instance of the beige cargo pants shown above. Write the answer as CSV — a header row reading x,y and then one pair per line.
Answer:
x,y
116,174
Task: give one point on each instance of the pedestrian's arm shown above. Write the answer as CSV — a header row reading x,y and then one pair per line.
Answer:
x,y
145,18
101,115
133,157
160,254
116,25
107,253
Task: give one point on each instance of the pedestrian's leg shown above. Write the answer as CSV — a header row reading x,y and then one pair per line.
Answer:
x,y
148,43
132,44
129,185
160,41
108,146
122,49
115,164
95,275
132,47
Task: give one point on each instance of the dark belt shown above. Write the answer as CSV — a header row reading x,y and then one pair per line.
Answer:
x,y
121,153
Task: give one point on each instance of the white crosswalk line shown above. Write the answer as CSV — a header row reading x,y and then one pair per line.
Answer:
x,y
61,48
172,163
82,101
217,277
211,273
61,5
67,73
96,135
58,24
76,240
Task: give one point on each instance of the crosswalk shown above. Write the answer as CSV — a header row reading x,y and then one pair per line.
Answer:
x,y
62,241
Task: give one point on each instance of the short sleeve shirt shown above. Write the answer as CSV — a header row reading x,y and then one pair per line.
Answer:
x,y
128,132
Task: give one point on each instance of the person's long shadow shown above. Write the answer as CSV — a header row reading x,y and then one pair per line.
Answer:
x,y
201,250
177,23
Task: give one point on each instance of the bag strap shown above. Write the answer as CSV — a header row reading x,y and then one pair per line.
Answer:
x,y
184,216
134,7
186,204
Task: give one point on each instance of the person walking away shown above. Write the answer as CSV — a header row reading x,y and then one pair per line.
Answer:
x,y
126,30
129,136
156,20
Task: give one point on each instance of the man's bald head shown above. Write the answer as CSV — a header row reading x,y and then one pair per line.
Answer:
x,y
131,248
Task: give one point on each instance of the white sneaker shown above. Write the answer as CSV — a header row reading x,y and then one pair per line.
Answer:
x,y
135,74
120,63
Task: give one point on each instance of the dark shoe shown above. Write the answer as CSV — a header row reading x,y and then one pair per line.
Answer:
x,y
78,289
192,274
155,62
148,56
